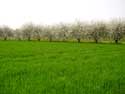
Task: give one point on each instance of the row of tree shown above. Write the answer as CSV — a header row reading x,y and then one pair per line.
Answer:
x,y
80,31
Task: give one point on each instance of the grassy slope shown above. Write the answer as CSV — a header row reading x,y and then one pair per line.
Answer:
x,y
61,68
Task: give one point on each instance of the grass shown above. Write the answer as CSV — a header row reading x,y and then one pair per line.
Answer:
x,y
61,68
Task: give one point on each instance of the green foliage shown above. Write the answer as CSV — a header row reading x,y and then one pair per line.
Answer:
x,y
61,68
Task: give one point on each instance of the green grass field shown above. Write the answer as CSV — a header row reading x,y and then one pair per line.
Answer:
x,y
61,68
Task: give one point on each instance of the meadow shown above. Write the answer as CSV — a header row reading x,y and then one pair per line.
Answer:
x,y
61,68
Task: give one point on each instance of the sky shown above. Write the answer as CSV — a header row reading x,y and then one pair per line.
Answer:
x,y
14,13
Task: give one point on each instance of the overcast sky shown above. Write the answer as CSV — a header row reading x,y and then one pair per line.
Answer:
x,y
17,12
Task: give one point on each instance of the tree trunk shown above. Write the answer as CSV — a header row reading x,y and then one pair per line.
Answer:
x,y
116,41
5,38
96,41
50,39
19,39
38,39
29,38
78,40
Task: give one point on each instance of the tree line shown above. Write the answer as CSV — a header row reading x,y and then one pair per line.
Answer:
x,y
78,31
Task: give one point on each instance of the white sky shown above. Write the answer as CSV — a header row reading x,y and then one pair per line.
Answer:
x,y
17,12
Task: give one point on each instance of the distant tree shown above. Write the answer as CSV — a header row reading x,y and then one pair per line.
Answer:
x,y
18,34
48,33
1,32
77,31
63,32
98,30
123,28
118,34
27,31
6,32
117,29
38,32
